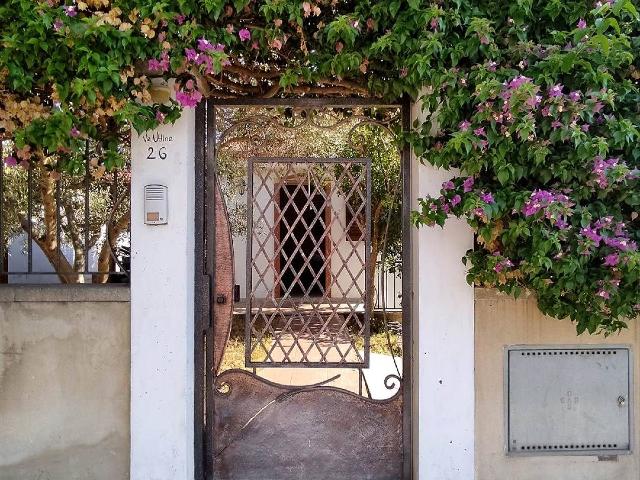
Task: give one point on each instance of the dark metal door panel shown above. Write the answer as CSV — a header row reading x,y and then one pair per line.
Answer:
x,y
265,431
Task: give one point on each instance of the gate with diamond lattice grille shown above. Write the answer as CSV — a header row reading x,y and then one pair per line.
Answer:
x,y
289,386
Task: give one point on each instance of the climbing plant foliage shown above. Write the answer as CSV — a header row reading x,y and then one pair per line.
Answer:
x,y
532,104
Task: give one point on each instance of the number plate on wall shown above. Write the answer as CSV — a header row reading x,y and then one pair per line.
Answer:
x,y
568,400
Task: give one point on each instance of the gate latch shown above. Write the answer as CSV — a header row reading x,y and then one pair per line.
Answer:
x,y
221,299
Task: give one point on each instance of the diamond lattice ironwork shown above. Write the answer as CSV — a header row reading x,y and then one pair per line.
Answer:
x,y
307,281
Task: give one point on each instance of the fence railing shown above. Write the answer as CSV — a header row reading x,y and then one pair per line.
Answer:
x,y
388,286
62,227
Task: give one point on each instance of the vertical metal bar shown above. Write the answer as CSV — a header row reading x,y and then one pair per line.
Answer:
x,y
114,199
249,263
87,182
29,219
209,179
368,265
407,296
58,222
202,375
2,245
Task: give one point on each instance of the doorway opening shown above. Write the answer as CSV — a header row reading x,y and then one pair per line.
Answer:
x,y
302,240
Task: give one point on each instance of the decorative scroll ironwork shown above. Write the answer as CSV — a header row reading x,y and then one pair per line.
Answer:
x,y
306,282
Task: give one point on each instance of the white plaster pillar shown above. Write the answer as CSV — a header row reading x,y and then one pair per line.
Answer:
x,y
443,342
162,315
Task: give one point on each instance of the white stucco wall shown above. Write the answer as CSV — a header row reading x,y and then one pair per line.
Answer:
x,y
162,312
443,342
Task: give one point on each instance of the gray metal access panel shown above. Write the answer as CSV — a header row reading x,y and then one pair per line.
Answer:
x,y
568,400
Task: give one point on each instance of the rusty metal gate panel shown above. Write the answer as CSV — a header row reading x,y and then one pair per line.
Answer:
x,y
285,329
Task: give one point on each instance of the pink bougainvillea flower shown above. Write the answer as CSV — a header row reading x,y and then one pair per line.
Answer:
x,y
180,19
491,66
58,24
456,200
574,96
556,90
161,65
160,116
464,125
484,40
486,197
255,45
306,7
74,132
479,132
448,185
556,124
204,45
244,34
611,260
276,43
434,23
592,234
191,54
467,185
585,127
404,71
70,10
11,161
604,294
582,24
339,46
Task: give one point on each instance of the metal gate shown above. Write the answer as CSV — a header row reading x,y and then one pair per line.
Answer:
x,y
286,365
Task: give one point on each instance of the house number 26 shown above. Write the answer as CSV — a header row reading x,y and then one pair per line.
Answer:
x,y
161,152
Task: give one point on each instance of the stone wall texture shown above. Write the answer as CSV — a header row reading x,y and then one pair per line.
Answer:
x,y
64,382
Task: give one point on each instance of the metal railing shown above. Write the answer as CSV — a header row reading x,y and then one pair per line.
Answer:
x,y
388,286
61,227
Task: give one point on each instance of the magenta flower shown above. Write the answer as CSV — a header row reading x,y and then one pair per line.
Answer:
x,y
556,124
592,234
244,34
404,71
464,125
584,127
480,132
161,65
582,24
448,185
467,185
74,132
180,19
486,197
434,23
456,200
11,161
611,260
160,116
58,24
556,90
491,66
518,81
204,45
191,54
574,96
70,10
604,294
